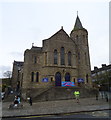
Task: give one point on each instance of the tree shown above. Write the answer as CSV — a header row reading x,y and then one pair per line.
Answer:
x,y
7,80
7,74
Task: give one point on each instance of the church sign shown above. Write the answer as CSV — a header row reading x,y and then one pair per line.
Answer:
x,y
45,80
67,84
80,80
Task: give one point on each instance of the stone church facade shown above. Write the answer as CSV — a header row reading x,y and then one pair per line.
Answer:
x,y
62,57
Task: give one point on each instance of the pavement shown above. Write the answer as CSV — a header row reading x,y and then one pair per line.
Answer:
x,y
56,107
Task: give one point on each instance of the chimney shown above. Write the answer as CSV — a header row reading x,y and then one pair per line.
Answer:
x,y
95,68
103,65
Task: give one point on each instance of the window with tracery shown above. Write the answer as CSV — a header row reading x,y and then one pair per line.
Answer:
x,y
69,58
62,56
55,56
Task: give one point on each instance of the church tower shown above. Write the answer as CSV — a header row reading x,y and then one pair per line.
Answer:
x,y
80,36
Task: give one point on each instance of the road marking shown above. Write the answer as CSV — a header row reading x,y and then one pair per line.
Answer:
x,y
35,116
93,113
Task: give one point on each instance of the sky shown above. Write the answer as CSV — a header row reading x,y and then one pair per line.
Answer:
x,y
23,22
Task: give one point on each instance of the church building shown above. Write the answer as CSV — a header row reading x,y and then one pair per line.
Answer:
x,y
62,57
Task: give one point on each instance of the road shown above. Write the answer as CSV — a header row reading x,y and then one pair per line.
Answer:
x,y
95,115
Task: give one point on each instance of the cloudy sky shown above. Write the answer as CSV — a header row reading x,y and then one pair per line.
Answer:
x,y
23,22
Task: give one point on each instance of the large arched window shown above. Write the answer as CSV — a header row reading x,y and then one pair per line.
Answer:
x,y
32,77
69,58
62,56
67,77
55,56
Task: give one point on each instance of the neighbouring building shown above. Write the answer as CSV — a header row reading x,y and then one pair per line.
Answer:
x,y
62,57
17,74
102,75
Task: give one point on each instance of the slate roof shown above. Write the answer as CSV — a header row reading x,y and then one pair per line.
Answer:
x,y
18,63
104,67
36,48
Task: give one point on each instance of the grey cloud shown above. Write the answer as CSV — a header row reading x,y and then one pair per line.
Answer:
x,y
19,54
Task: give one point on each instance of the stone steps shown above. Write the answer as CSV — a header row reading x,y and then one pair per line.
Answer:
x,y
60,93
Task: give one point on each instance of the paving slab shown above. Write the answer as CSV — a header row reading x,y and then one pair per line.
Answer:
x,y
55,107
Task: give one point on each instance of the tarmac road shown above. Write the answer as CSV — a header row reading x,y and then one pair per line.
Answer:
x,y
63,109
95,115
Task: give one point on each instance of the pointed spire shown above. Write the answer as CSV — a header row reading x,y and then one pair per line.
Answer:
x,y
77,13
78,24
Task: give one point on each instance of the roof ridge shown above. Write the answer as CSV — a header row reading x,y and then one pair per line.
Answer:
x,y
58,32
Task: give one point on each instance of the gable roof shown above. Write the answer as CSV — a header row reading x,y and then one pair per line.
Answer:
x,y
61,31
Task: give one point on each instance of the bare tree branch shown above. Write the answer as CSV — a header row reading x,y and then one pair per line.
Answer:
x,y
7,74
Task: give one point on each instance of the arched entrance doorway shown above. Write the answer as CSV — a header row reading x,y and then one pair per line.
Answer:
x,y
67,77
58,79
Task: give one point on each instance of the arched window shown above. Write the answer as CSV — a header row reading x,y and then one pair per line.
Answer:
x,y
85,58
51,79
32,77
45,58
77,37
35,59
83,39
37,76
87,78
78,57
62,56
69,58
87,36
74,80
67,77
55,56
